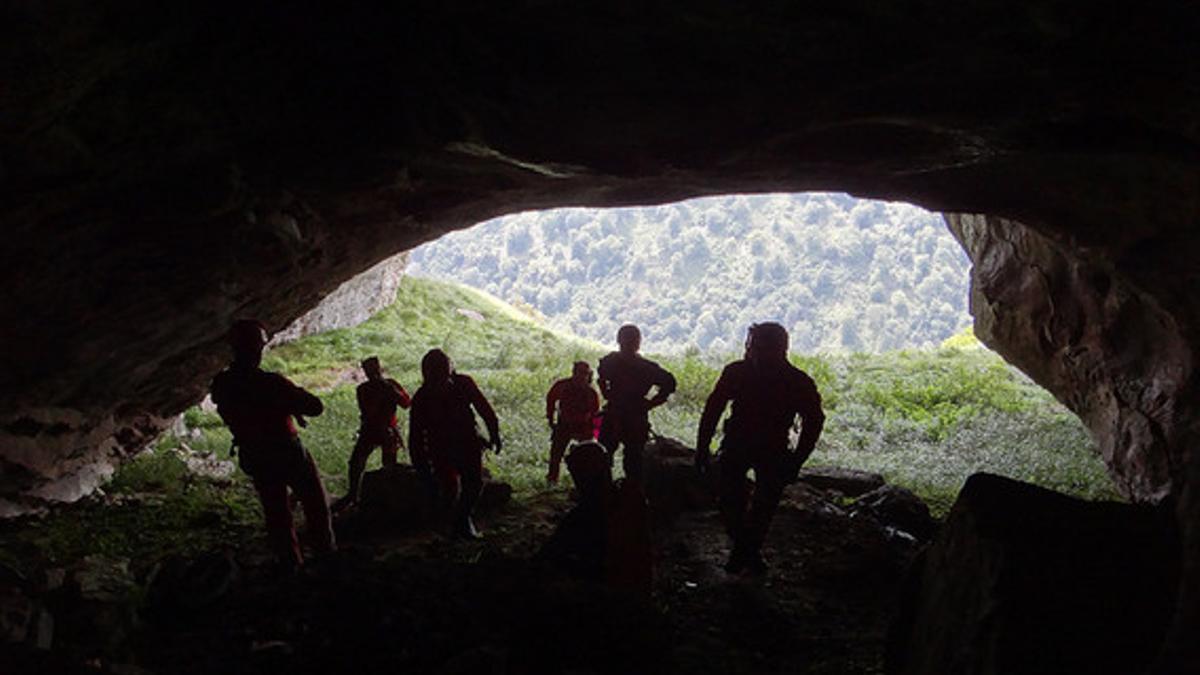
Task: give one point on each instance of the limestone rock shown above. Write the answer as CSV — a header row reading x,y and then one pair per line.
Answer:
x,y
399,495
180,586
672,483
897,507
23,618
352,303
849,482
1025,580
495,494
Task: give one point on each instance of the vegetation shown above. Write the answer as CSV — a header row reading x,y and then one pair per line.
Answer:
x,y
926,419
843,274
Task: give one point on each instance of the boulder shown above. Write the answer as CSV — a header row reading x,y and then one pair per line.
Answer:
x,y
1026,580
181,585
495,494
404,499
849,482
399,494
23,619
897,507
672,483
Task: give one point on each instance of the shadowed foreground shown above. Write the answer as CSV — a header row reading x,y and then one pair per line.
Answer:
x,y
421,603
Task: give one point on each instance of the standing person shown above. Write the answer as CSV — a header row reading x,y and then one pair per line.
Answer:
x,y
444,439
625,379
577,404
378,399
767,393
259,408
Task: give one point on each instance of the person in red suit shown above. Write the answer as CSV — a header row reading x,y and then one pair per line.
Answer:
x,y
576,403
444,440
378,399
768,393
262,410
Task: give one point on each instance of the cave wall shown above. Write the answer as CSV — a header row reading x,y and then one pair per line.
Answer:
x,y
1084,330
350,304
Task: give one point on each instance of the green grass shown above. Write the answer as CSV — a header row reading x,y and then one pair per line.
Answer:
x,y
924,419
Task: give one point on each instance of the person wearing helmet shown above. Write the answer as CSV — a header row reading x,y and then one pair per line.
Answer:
x,y
768,393
625,380
577,404
378,399
444,440
261,410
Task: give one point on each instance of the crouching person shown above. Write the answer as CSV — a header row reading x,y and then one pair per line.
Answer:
x,y
444,440
605,538
262,409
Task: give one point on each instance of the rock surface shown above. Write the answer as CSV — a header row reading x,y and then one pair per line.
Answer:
x,y
849,482
896,507
350,304
1025,580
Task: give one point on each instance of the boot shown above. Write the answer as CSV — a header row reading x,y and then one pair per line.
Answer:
x,y
464,528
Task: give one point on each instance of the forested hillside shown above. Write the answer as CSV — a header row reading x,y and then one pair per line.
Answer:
x,y
842,274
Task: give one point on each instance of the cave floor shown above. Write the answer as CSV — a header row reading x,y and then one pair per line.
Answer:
x,y
423,603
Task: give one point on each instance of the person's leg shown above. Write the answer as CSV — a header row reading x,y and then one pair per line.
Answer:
x,y
358,463
471,479
558,446
307,486
390,448
770,480
281,536
734,490
447,478
634,442
608,434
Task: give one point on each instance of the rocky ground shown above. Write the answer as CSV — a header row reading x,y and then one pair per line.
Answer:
x,y
400,601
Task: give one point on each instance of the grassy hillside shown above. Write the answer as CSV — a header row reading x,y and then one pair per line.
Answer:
x,y
925,419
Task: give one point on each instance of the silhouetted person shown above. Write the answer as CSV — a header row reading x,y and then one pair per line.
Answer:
x,y
625,379
577,404
259,408
606,536
768,393
378,399
443,436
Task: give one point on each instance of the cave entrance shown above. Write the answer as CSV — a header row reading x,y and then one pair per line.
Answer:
x,y
873,293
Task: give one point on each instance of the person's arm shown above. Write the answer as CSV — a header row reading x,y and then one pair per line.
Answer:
x,y
813,417
593,403
399,396
552,397
602,378
417,446
302,401
485,411
665,384
714,407
360,393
